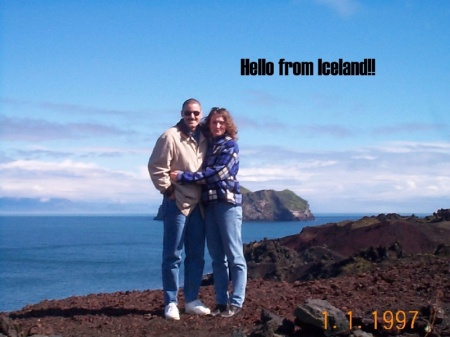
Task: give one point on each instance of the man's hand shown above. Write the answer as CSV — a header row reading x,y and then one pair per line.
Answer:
x,y
174,176
170,192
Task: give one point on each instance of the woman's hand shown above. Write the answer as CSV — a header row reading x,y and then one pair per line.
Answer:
x,y
174,176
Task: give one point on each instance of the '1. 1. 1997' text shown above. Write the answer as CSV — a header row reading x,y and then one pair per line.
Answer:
x,y
390,319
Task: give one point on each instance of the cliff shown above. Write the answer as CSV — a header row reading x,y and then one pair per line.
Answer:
x,y
350,246
274,206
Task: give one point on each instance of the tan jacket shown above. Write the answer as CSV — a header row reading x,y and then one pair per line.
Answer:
x,y
177,150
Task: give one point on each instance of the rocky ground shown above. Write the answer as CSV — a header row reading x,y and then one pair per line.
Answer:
x,y
408,292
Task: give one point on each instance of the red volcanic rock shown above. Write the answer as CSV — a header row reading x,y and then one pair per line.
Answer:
x,y
386,292
349,237
347,247
420,284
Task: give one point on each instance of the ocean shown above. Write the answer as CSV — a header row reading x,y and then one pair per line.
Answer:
x,y
58,256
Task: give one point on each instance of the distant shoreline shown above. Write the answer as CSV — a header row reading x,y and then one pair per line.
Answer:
x,y
332,214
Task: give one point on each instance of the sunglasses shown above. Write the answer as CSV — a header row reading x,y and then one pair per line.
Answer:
x,y
188,113
217,109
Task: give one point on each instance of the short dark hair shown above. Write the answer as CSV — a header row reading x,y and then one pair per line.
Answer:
x,y
190,101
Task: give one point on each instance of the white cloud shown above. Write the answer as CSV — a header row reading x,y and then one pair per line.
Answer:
x,y
392,177
68,108
410,128
37,130
398,175
75,181
342,7
263,98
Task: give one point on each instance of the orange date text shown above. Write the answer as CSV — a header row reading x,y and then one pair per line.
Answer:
x,y
388,319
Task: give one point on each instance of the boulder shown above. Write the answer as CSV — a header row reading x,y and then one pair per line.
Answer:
x,y
322,315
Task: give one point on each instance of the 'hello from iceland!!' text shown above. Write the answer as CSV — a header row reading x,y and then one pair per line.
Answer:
x,y
261,67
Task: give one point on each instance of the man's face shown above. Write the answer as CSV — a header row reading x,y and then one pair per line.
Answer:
x,y
192,115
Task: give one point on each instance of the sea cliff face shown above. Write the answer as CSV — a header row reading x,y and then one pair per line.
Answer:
x,y
273,205
348,247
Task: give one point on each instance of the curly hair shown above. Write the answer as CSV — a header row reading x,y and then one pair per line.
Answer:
x,y
230,130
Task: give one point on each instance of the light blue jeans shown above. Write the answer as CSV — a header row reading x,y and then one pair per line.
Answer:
x,y
179,231
223,223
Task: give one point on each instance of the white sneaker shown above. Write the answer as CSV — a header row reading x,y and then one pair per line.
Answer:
x,y
197,308
171,311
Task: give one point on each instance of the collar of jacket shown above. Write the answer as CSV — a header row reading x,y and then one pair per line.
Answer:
x,y
221,139
181,125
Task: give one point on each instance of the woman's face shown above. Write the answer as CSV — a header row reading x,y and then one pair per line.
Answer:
x,y
217,125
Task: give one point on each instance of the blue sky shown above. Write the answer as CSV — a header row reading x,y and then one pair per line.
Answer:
x,y
88,86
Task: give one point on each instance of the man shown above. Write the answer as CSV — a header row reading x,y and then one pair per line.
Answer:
x,y
181,147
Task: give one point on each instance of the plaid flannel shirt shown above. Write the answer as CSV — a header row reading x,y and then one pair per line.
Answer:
x,y
218,174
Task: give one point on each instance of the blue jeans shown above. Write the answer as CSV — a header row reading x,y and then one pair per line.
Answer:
x,y
179,231
223,223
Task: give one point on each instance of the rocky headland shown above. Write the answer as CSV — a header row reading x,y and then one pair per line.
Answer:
x,y
380,276
270,205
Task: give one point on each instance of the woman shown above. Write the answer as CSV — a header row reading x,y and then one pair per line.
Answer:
x,y
223,210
